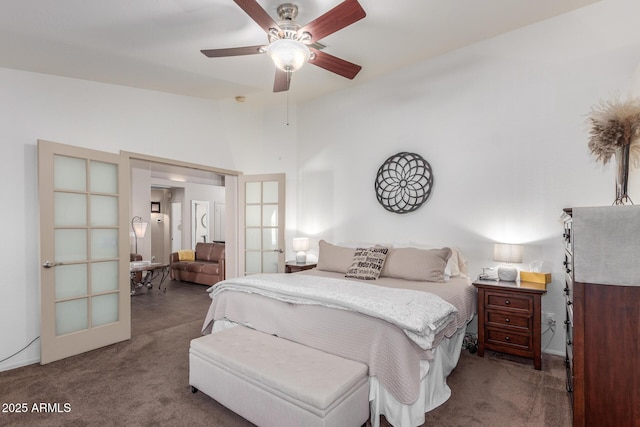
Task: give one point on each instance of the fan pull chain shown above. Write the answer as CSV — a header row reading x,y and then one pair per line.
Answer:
x,y
288,88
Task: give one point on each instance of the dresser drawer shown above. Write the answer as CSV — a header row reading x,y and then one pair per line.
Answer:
x,y
509,301
509,320
497,338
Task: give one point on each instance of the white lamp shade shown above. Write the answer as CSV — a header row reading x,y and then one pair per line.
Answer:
x,y
301,244
140,228
288,55
507,253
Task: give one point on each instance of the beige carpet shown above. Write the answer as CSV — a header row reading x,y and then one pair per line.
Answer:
x,y
144,381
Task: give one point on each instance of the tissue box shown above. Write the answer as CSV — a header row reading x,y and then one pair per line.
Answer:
x,y
529,276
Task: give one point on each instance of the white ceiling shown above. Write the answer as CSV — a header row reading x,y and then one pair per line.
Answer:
x,y
155,44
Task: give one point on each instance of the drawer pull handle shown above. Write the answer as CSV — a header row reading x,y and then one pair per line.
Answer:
x,y
566,290
507,338
569,342
507,320
507,302
567,322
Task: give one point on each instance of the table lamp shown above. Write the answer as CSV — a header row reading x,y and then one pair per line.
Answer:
x,y
507,254
300,245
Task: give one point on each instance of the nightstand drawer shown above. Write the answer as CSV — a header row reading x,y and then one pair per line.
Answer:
x,y
509,320
501,337
510,301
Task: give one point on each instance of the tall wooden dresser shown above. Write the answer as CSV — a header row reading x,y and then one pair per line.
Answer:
x,y
602,261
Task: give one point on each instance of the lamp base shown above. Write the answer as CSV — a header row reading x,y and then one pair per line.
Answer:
x,y
301,258
507,273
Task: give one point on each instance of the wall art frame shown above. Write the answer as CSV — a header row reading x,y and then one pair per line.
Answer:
x,y
403,182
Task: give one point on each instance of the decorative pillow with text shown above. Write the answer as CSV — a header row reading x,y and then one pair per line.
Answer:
x,y
367,263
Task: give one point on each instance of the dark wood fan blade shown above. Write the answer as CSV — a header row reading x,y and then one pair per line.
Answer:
x,y
335,64
282,81
343,15
232,51
258,14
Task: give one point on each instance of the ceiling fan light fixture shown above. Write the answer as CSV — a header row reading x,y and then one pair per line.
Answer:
x,y
288,55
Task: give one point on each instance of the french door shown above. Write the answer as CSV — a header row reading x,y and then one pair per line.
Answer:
x,y
84,250
262,223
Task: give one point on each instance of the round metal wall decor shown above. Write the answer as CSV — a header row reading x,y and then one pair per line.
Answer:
x,y
404,182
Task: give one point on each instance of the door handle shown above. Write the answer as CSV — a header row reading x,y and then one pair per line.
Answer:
x,y
278,250
49,264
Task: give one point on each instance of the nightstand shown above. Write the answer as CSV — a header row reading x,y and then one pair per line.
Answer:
x,y
293,267
509,318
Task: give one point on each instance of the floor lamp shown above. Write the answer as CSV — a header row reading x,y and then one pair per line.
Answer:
x,y
139,227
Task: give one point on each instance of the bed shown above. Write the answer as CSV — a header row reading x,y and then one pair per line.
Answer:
x,y
407,324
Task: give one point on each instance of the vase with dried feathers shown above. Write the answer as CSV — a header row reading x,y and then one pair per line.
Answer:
x,y
615,132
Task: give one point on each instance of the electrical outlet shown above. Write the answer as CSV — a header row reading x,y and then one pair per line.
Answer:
x,y
550,319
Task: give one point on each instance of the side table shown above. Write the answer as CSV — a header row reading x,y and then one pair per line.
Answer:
x,y
509,318
293,267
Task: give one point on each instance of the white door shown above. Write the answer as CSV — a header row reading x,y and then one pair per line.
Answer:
x,y
218,218
84,250
176,226
262,223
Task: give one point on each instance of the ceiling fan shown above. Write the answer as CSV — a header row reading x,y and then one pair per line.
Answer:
x,y
291,45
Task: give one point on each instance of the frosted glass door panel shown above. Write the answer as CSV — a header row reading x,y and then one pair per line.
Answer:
x,y
71,281
270,216
253,262
270,239
70,245
252,242
70,209
270,262
270,192
104,211
252,192
104,276
104,309
104,243
104,177
252,217
71,316
69,173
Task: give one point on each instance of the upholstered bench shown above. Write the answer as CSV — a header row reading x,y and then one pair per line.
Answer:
x,y
275,382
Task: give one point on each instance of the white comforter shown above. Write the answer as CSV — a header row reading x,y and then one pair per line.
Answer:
x,y
421,315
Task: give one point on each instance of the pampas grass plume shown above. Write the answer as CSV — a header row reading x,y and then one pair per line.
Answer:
x,y
615,124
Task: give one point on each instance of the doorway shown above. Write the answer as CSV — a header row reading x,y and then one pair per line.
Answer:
x,y
164,195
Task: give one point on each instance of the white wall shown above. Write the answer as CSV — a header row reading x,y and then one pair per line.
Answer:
x,y
502,124
108,118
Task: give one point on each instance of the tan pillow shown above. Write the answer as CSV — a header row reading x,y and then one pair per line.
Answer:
x,y
367,263
186,255
424,265
334,258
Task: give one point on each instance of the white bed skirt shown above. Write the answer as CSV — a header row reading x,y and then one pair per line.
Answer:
x,y
434,390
